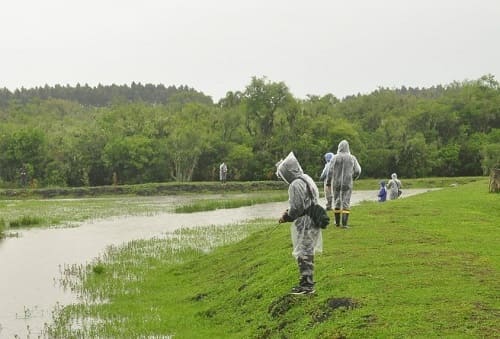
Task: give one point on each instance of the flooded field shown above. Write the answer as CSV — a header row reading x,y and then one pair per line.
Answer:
x,y
32,262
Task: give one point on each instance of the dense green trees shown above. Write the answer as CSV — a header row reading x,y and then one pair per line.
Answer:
x,y
146,133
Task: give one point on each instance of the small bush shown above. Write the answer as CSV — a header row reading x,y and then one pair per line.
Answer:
x,y
25,220
98,268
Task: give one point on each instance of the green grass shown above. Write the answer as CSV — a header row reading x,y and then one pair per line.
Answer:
x,y
231,202
164,188
372,184
421,267
174,188
25,220
48,212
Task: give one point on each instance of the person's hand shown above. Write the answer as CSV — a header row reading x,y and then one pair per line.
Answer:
x,y
283,217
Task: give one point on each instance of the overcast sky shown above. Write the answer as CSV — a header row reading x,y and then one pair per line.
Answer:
x,y
216,46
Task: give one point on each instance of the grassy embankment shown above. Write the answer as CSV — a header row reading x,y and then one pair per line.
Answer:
x,y
37,208
426,266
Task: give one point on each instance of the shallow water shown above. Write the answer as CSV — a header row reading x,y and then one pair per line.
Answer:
x,y
31,264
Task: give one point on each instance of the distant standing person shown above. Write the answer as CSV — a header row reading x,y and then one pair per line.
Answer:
x,y
327,184
223,173
306,239
344,169
382,193
24,177
394,187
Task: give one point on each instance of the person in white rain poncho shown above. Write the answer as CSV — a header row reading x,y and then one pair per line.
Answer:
x,y
326,183
394,187
223,172
344,168
306,239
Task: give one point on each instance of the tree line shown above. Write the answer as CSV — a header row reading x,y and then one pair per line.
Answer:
x,y
90,136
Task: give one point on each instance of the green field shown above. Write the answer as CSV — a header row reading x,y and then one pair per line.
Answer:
x,y
426,266
29,208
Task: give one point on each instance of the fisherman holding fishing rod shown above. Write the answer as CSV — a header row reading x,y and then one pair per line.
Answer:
x,y
306,236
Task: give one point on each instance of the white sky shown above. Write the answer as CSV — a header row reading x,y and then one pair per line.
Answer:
x,y
316,46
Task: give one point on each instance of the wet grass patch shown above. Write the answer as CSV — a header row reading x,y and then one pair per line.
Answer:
x,y
282,305
71,212
68,212
123,269
233,202
25,221
325,312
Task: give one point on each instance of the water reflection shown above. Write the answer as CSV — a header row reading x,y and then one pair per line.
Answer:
x,y
31,263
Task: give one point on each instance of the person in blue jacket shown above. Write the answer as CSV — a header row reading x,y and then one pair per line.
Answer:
x,y
382,193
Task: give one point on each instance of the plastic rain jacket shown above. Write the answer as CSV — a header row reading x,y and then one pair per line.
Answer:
x,y
394,185
344,167
324,174
306,239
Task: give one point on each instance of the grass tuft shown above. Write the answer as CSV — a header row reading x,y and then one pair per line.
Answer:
x,y
234,202
98,268
26,220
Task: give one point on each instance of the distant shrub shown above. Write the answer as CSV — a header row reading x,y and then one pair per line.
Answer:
x,y
25,221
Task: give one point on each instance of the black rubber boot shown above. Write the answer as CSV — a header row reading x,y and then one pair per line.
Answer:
x,y
306,281
345,218
306,285
337,218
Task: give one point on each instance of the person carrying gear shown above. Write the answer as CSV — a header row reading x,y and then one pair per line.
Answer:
x,y
306,239
344,168
394,187
327,184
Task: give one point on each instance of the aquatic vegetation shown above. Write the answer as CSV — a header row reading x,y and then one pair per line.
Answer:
x,y
120,268
70,212
25,220
67,212
231,202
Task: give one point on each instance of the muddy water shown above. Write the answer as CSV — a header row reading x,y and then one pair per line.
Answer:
x,y
30,264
